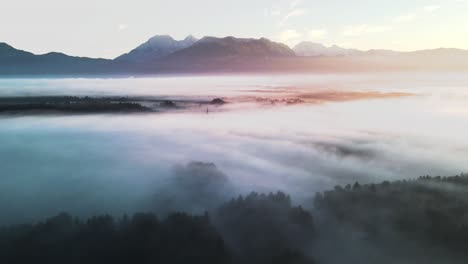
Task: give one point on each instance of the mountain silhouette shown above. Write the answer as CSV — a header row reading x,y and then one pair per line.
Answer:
x,y
164,55
311,49
231,46
14,61
155,48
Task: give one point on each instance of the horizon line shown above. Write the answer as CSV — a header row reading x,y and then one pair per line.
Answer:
x,y
232,36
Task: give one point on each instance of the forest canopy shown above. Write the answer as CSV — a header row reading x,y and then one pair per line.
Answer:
x,y
405,217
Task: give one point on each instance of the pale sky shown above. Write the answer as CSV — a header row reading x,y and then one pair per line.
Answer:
x,y
108,28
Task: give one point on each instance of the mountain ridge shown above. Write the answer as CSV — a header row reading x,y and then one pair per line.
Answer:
x,y
156,47
313,49
14,61
231,46
164,55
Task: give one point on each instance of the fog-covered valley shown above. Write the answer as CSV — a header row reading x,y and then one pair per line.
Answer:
x,y
342,149
117,163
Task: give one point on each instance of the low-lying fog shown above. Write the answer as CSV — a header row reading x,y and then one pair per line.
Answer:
x,y
92,164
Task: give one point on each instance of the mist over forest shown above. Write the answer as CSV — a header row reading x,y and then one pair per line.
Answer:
x,y
233,132
234,169
409,221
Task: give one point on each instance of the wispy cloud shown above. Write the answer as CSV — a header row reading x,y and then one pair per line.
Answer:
x,y
288,12
431,8
364,29
291,14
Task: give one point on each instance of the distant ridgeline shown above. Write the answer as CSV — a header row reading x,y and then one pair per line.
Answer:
x,y
160,54
164,55
414,220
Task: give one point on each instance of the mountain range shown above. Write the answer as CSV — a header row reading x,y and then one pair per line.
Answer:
x,y
156,47
311,49
14,61
163,54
